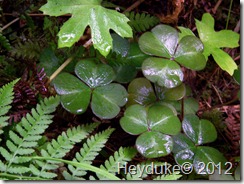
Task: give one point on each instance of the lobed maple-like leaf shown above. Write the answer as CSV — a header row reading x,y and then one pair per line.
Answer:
x,y
215,40
88,13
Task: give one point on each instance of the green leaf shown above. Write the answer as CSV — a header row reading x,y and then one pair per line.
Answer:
x,y
237,75
120,45
134,120
88,13
176,93
158,118
213,40
125,73
161,118
199,131
164,72
141,92
206,158
93,74
183,149
184,32
154,144
75,95
224,61
107,100
189,53
162,41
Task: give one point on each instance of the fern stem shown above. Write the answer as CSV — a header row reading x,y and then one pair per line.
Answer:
x,y
60,69
9,24
15,176
84,166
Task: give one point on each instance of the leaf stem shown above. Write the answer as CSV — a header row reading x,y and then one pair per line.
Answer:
x,y
228,18
84,166
60,69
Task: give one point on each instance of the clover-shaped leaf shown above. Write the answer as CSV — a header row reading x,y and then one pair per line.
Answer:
x,y
206,158
199,131
158,118
184,149
213,42
93,74
154,144
164,41
107,100
75,95
141,91
88,13
164,72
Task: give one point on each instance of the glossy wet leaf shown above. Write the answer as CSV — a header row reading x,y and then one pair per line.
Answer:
x,y
135,56
184,32
205,159
164,72
213,40
237,75
154,144
199,131
88,13
134,120
176,93
141,92
161,118
189,53
183,149
125,73
120,45
107,100
75,95
93,74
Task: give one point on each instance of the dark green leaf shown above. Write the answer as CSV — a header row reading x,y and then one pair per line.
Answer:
x,y
162,119
93,74
206,158
164,72
120,45
154,144
125,73
176,93
189,53
75,95
199,131
141,91
135,120
107,100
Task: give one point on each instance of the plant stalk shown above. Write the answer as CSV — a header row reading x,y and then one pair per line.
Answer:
x,y
228,18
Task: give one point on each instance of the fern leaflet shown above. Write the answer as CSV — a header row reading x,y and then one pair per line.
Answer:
x,y
4,42
58,148
6,98
24,138
87,154
141,22
120,157
173,176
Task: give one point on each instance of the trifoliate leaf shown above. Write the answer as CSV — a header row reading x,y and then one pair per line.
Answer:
x,y
88,13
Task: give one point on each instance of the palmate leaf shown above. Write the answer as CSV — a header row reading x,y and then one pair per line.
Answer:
x,y
88,13
24,138
87,154
213,42
59,147
6,97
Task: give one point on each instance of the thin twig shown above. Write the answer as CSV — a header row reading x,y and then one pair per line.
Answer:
x,y
9,24
216,6
215,89
60,69
133,6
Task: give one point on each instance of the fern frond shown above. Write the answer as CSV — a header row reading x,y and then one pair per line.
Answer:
x,y
24,138
141,22
4,42
27,50
120,157
173,176
88,152
59,147
6,98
